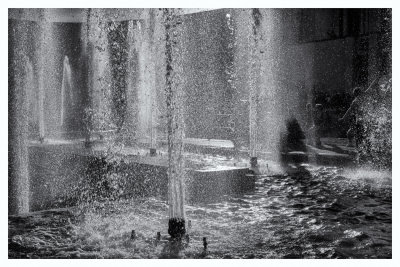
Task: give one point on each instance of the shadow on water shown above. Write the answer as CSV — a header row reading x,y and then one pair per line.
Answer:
x,y
292,145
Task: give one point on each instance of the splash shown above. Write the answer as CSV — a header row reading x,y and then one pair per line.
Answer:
x,y
369,175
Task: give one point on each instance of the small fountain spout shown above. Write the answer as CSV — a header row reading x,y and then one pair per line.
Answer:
x,y
176,227
205,244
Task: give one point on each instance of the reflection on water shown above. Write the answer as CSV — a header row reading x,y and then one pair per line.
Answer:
x,y
317,213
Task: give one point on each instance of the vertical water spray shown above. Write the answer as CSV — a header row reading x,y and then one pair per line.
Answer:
x,y
101,79
152,88
145,46
132,84
254,84
45,32
271,97
19,84
118,54
138,37
88,52
230,70
67,97
175,123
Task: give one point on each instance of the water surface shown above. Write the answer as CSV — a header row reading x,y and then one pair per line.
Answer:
x,y
313,213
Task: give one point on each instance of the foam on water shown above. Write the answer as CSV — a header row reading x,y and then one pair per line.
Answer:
x,y
373,176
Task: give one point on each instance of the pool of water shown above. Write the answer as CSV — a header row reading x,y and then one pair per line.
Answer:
x,y
315,212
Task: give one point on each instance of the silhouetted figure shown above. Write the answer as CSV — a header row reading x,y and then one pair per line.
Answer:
x,y
295,136
293,148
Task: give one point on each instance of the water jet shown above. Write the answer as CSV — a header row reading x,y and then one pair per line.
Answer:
x,y
175,124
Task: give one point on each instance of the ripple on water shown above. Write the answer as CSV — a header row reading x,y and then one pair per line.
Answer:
x,y
334,213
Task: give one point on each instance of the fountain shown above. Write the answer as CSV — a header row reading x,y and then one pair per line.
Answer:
x,y
182,84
